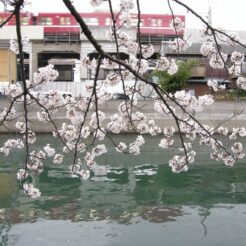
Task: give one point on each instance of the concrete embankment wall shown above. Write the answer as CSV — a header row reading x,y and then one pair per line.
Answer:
x,y
230,114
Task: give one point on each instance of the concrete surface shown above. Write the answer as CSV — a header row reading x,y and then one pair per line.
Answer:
x,y
213,115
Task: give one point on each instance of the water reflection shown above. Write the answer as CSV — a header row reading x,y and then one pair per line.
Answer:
x,y
161,214
151,192
129,191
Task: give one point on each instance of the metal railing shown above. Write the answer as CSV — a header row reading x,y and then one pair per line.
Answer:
x,y
66,37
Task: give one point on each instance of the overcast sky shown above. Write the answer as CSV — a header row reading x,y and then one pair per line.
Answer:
x,y
227,14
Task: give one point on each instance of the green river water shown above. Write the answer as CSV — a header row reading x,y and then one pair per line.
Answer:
x,y
139,202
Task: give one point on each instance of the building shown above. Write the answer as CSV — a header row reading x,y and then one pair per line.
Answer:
x,y
8,68
55,38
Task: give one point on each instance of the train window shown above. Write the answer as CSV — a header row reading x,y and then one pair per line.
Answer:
x,y
91,21
45,21
135,22
2,19
108,21
155,22
65,21
24,21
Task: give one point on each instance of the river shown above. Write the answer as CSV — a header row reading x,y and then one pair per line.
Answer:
x,y
138,202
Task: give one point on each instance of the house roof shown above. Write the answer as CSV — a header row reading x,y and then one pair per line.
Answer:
x,y
194,49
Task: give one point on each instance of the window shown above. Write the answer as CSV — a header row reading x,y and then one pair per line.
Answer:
x,y
135,22
155,22
65,21
24,20
45,21
108,21
91,21
2,19
65,72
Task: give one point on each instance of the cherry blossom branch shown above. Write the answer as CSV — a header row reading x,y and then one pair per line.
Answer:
x,y
175,28
85,114
25,90
98,47
207,24
8,19
49,117
118,51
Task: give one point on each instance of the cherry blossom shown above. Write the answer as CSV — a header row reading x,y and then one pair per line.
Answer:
x,y
14,44
218,60
207,49
125,19
121,147
215,85
232,39
237,148
21,174
13,90
179,44
177,24
166,143
58,158
126,4
237,57
31,191
147,50
96,2
241,82
49,151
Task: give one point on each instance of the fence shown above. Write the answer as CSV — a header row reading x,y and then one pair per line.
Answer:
x,y
75,88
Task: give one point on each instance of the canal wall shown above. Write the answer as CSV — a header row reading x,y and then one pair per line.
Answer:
x,y
229,114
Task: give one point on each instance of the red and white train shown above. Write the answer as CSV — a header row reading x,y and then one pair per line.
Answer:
x,y
151,24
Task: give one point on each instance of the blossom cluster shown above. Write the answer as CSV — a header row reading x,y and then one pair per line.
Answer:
x,y
125,16
14,44
179,44
213,83
179,163
13,90
217,59
11,144
241,82
7,114
31,191
177,24
192,104
44,74
35,166
96,2
164,64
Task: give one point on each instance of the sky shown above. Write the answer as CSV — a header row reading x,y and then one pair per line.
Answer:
x,y
226,14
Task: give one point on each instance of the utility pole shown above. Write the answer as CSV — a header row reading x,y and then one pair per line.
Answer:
x,y
209,14
5,4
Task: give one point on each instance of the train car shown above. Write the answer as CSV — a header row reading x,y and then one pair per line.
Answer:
x,y
55,19
25,18
150,24
159,24
95,19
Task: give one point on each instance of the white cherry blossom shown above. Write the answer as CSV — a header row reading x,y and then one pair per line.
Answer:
x,y
31,191
49,151
177,24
